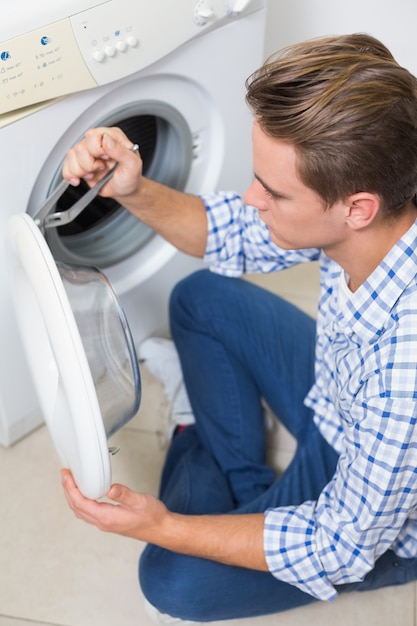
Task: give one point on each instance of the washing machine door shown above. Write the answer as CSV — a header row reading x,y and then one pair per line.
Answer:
x,y
66,372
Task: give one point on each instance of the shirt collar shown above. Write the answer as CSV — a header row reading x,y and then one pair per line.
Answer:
x,y
369,307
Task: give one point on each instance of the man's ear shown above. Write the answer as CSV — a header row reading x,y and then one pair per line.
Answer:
x,y
362,208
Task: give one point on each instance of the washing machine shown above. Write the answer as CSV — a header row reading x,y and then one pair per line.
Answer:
x,y
172,75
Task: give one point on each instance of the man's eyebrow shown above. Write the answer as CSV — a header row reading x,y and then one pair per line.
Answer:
x,y
272,192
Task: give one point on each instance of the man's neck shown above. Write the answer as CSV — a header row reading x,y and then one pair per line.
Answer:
x,y
363,250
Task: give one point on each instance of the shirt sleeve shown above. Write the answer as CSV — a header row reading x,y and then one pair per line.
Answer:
x,y
239,242
360,514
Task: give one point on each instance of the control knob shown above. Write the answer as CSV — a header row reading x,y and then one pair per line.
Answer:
x,y
203,12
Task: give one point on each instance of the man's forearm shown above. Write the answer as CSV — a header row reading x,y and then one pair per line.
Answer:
x,y
230,539
178,217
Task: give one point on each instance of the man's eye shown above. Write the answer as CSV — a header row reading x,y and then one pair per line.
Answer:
x,y
271,194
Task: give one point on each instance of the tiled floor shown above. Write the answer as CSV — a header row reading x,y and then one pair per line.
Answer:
x,y
55,570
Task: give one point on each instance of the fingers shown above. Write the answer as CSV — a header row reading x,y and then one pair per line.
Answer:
x,y
123,496
85,160
82,507
104,515
97,152
131,514
99,514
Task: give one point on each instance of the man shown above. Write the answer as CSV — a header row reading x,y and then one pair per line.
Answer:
x,y
335,176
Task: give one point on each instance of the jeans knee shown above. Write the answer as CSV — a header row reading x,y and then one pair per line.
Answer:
x,y
188,287
167,582
202,292
189,298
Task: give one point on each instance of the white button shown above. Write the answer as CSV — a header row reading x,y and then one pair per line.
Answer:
x,y
205,12
234,7
98,56
121,46
132,41
109,51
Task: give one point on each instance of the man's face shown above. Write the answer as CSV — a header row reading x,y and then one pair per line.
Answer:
x,y
293,213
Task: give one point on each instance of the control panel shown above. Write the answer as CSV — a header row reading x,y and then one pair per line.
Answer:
x,y
43,64
105,42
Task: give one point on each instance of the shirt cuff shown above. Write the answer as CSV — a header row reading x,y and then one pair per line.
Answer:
x,y
290,551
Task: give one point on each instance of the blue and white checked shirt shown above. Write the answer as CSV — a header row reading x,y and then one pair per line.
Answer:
x,y
364,400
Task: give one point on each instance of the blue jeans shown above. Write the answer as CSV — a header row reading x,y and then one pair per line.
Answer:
x,y
237,344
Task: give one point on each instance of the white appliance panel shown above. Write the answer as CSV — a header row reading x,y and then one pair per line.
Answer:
x,y
97,45
202,79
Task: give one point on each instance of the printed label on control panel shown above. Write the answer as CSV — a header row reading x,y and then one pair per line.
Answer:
x,y
41,65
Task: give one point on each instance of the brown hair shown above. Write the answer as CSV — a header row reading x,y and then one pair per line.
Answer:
x,y
349,110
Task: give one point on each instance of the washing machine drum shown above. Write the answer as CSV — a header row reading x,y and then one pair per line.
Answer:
x,y
80,352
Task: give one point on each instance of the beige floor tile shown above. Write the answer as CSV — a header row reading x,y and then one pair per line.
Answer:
x,y
299,285
278,436
54,568
11,621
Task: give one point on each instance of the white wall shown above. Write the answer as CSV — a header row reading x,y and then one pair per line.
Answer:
x,y
391,21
